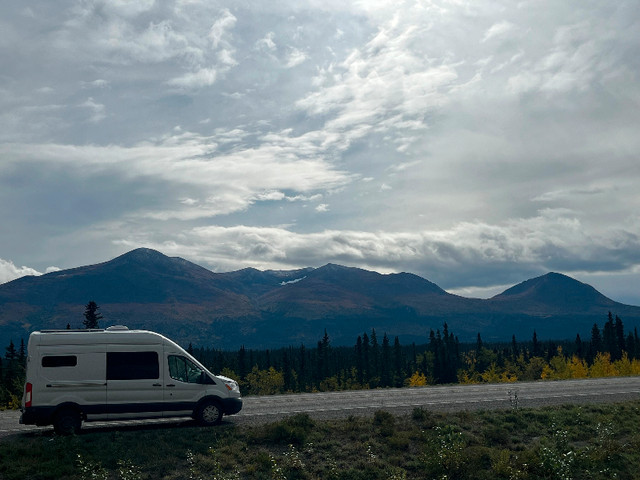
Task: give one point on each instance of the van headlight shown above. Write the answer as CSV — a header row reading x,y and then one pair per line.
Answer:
x,y
231,384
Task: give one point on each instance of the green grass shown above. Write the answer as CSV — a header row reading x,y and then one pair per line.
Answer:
x,y
567,442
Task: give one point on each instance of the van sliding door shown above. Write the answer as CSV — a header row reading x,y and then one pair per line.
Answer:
x,y
134,381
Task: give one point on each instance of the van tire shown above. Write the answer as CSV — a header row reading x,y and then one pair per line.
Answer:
x,y
209,413
67,421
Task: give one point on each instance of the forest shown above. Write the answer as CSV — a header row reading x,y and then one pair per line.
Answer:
x,y
382,363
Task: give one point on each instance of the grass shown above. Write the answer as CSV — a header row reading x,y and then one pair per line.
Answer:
x,y
567,442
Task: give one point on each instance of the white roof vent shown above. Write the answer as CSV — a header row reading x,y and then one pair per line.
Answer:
x,y
117,328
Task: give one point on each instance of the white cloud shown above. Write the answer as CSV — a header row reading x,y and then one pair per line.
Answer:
x,y
468,257
230,182
204,77
97,109
295,58
267,42
499,30
226,21
8,271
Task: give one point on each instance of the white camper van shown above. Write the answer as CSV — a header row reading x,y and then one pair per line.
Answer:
x,y
115,374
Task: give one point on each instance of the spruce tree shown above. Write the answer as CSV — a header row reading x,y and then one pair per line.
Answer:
x,y
620,340
398,374
386,362
535,349
359,361
596,342
91,315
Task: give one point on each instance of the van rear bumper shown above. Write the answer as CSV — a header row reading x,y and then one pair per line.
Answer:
x,y
37,416
231,405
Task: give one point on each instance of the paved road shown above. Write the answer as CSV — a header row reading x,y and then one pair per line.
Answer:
x,y
401,401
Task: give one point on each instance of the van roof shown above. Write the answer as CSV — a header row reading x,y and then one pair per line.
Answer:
x,y
111,335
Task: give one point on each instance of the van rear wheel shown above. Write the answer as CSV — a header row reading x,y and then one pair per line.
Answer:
x,y
67,422
209,413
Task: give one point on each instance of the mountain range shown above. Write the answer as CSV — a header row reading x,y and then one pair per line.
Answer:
x,y
267,309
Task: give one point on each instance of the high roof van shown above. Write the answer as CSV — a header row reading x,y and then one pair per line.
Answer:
x,y
116,373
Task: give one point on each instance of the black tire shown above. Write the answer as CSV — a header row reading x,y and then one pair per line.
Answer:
x,y
209,413
67,422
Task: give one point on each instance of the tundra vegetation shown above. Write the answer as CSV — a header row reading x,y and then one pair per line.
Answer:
x,y
372,363
565,442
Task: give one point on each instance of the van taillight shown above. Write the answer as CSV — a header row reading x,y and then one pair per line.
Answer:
x,y
27,395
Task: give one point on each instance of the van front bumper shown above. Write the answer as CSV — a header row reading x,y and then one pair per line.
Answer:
x,y
231,405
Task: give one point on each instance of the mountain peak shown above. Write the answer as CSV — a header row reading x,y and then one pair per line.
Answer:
x,y
555,289
141,255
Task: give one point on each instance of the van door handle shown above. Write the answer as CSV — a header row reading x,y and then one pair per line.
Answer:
x,y
171,385
157,384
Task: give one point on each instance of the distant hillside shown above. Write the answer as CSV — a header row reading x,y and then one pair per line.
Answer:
x,y
258,309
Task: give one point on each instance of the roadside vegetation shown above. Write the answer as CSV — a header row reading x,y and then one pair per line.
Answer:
x,y
567,442
374,363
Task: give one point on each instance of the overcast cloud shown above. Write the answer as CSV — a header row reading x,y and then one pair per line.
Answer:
x,y
477,144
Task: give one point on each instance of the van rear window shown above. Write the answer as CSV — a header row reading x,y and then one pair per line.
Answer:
x,y
59,361
132,365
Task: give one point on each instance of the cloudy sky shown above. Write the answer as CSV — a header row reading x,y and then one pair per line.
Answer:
x,y
476,143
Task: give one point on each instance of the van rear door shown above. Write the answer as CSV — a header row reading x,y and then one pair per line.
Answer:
x,y
134,381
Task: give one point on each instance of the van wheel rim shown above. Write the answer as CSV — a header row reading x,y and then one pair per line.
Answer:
x,y
210,414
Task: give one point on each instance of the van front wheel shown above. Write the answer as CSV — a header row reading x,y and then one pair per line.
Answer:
x,y
67,422
209,413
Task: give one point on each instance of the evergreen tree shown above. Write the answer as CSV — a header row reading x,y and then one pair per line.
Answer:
x,y
375,359
579,347
630,346
11,356
398,374
22,353
620,340
595,346
303,366
242,363
609,343
10,352
91,315
326,356
385,376
286,372
535,348
359,361
365,358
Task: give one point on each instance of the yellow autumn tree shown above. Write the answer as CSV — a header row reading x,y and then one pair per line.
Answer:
x,y
265,382
417,380
557,369
467,377
491,374
578,368
602,366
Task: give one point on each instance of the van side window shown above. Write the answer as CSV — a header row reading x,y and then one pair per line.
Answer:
x,y
184,370
132,365
60,361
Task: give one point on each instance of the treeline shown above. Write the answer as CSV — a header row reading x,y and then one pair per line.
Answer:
x,y
12,371
374,363
379,363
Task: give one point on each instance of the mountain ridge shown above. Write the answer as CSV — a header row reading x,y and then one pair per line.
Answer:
x,y
144,288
